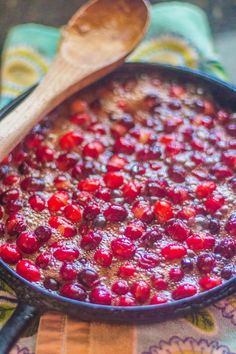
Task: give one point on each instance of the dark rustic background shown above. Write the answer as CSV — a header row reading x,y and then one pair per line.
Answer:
x,y
221,13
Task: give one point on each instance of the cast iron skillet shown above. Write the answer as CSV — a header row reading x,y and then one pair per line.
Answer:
x,y
33,300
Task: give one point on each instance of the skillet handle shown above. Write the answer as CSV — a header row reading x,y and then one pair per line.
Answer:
x,y
15,326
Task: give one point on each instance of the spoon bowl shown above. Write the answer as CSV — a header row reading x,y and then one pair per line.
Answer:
x,y
95,41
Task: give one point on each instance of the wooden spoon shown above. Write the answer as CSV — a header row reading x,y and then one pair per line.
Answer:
x,y
96,40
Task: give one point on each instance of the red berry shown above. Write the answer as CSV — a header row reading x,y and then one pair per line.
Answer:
x,y
68,272
177,173
93,149
70,140
9,196
116,163
158,282
66,161
28,270
205,262
103,257
184,290
73,213
230,225
151,237
163,211
66,254
199,242
226,248
63,226
173,251
32,184
37,202
178,195
156,187
88,277
122,247
10,253
10,180
209,282
73,291
100,295
15,224
43,260
143,211
176,274
91,240
89,185
205,189
43,233
113,180
57,201
141,291
124,145
27,242
131,190
148,260
214,203
177,230
126,270
115,213
120,287
134,230
104,194
229,158
124,301
158,299
62,182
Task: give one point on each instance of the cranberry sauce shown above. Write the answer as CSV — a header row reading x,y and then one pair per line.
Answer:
x,y
125,195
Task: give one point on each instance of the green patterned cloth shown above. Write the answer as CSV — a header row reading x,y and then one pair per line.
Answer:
x,y
179,34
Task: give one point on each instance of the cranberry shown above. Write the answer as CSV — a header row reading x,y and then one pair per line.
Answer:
x,y
89,185
131,190
113,180
32,184
103,257
205,262
209,282
28,270
158,282
88,277
214,226
104,194
151,237
176,274
226,248
134,230
43,260
148,260
73,213
158,299
27,242
126,270
157,188
15,224
173,251
122,247
70,140
232,183
115,213
184,290
141,291
178,195
187,264
91,240
116,163
124,301
198,242
68,272
10,253
66,253
61,182
66,161
9,196
33,140
229,158
214,203
177,173
220,171
37,202
93,149
230,225
228,271
163,211
62,225
120,287
100,295
43,233
57,201
91,211
44,154
73,291
177,230
124,145
10,180
51,284
205,189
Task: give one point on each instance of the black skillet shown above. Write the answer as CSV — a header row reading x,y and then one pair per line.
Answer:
x,y
33,300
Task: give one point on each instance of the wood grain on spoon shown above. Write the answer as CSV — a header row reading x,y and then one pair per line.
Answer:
x,y
96,40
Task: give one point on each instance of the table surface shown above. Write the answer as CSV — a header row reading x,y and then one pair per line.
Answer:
x,y
221,13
